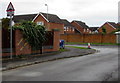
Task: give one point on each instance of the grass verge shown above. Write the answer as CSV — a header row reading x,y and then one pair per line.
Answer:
x,y
77,47
73,43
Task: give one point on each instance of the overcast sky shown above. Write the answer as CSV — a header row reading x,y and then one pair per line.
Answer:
x,y
92,12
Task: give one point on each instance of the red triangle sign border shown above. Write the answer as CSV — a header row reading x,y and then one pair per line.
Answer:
x,y
8,8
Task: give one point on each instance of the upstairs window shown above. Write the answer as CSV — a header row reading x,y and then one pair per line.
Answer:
x,y
73,29
87,30
84,30
40,23
65,28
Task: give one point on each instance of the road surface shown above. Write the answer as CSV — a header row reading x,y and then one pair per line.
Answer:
x,y
94,67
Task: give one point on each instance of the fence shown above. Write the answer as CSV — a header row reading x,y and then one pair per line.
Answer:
x,y
89,38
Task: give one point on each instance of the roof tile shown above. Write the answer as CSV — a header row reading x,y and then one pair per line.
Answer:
x,y
67,23
29,17
82,24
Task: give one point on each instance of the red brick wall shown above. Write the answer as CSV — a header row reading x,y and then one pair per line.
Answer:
x,y
89,38
27,49
109,38
0,43
109,28
72,38
95,38
64,37
56,40
5,38
21,46
57,26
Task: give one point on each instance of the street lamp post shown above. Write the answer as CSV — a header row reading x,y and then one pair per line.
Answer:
x,y
47,14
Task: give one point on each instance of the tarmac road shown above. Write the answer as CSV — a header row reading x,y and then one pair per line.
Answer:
x,y
94,67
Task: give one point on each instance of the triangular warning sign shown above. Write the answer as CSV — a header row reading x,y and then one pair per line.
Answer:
x,y
10,7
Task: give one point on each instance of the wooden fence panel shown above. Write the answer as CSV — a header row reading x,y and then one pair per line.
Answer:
x,y
89,38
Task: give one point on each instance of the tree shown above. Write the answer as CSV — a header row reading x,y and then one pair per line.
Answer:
x,y
104,30
33,33
5,23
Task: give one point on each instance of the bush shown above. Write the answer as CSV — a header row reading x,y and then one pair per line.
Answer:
x,y
33,33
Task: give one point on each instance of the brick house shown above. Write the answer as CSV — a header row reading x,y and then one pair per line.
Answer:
x,y
50,21
118,24
68,27
81,27
109,26
94,30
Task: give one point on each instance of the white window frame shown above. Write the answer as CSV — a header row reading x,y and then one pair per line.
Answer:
x,y
73,29
64,28
87,30
40,23
67,28
84,30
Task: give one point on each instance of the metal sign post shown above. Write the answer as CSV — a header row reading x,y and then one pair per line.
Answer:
x,y
11,37
10,12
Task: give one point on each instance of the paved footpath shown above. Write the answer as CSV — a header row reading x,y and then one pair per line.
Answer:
x,y
73,52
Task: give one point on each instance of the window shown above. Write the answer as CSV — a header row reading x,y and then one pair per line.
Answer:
x,y
87,30
67,28
84,30
64,28
90,31
40,23
96,31
73,29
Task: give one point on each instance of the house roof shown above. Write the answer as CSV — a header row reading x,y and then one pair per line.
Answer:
x,y
67,23
93,28
81,24
118,22
29,17
52,18
113,24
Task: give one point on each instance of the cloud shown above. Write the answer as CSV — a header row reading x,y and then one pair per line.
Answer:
x,y
93,12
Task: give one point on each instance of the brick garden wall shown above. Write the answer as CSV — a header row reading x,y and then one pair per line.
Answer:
x,y
118,38
89,38
56,39
21,47
0,42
